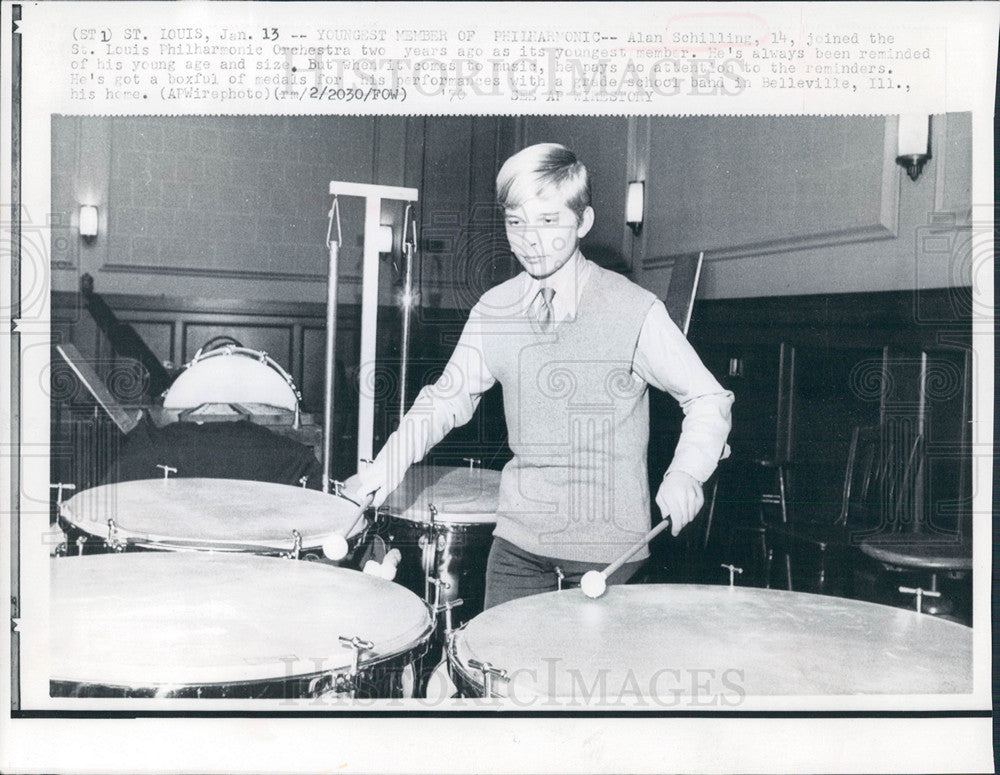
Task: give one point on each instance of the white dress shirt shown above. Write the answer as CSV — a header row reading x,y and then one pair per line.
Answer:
x,y
663,358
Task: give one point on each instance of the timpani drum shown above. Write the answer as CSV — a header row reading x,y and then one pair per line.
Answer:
x,y
194,625
232,375
442,519
690,644
223,515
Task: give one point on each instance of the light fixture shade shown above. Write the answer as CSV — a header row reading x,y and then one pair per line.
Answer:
x,y
88,221
914,131
385,239
634,204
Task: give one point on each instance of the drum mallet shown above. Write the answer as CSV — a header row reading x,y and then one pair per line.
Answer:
x,y
335,545
594,582
387,568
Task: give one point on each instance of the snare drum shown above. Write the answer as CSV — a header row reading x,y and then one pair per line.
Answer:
x,y
223,515
442,520
679,645
221,625
232,375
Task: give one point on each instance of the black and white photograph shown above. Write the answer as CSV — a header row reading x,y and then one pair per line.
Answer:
x,y
584,418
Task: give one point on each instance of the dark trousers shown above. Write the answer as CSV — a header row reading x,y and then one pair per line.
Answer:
x,y
512,572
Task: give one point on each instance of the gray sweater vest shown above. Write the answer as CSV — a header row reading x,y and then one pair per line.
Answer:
x,y
577,421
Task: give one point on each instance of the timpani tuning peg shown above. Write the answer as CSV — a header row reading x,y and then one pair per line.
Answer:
x,y
732,570
167,470
358,646
304,481
489,674
113,541
438,585
79,545
473,462
921,594
338,487
59,487
560,576
446,609
296,549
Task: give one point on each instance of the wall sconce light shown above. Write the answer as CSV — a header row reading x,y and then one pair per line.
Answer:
x,y
634,204
914,143
385,239
88,222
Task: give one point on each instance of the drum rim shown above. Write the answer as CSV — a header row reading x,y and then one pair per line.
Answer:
x,y
466,677
470,517
374,659
260,356
444,519
154,540
404,657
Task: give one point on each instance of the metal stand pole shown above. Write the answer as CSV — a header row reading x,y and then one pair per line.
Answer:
x,y
329,369
409,249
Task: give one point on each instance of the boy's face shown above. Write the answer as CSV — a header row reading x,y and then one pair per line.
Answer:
x,y
544,234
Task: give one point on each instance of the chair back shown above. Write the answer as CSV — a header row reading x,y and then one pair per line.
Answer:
x,y
907,501
865,478
881,486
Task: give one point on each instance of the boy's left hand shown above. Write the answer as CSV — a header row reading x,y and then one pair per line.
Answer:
x,y
681,496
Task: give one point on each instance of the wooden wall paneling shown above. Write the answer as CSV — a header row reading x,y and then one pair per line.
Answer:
x,y
484,256
275,340
190,203
159,336
951,149
742,186
445,205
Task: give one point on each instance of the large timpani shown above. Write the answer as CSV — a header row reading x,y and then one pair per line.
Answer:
x,y
442,520
154,624
226,515
690,644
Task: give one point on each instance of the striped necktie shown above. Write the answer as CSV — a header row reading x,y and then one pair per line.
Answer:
x,y
546,316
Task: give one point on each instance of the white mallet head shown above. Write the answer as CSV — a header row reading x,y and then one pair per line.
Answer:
x,y
388,572
373,568
335,547
390,563
593,583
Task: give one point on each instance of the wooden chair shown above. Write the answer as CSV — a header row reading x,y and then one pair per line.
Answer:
x,y
870,487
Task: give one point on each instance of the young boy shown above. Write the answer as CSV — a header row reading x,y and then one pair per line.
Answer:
x,y
574,347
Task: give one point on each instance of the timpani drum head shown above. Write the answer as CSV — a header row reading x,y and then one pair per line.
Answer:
x,y
460,495
217,514
232,375
152,619
653,639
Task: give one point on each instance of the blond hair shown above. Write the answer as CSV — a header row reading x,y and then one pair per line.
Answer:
x,y
544,170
